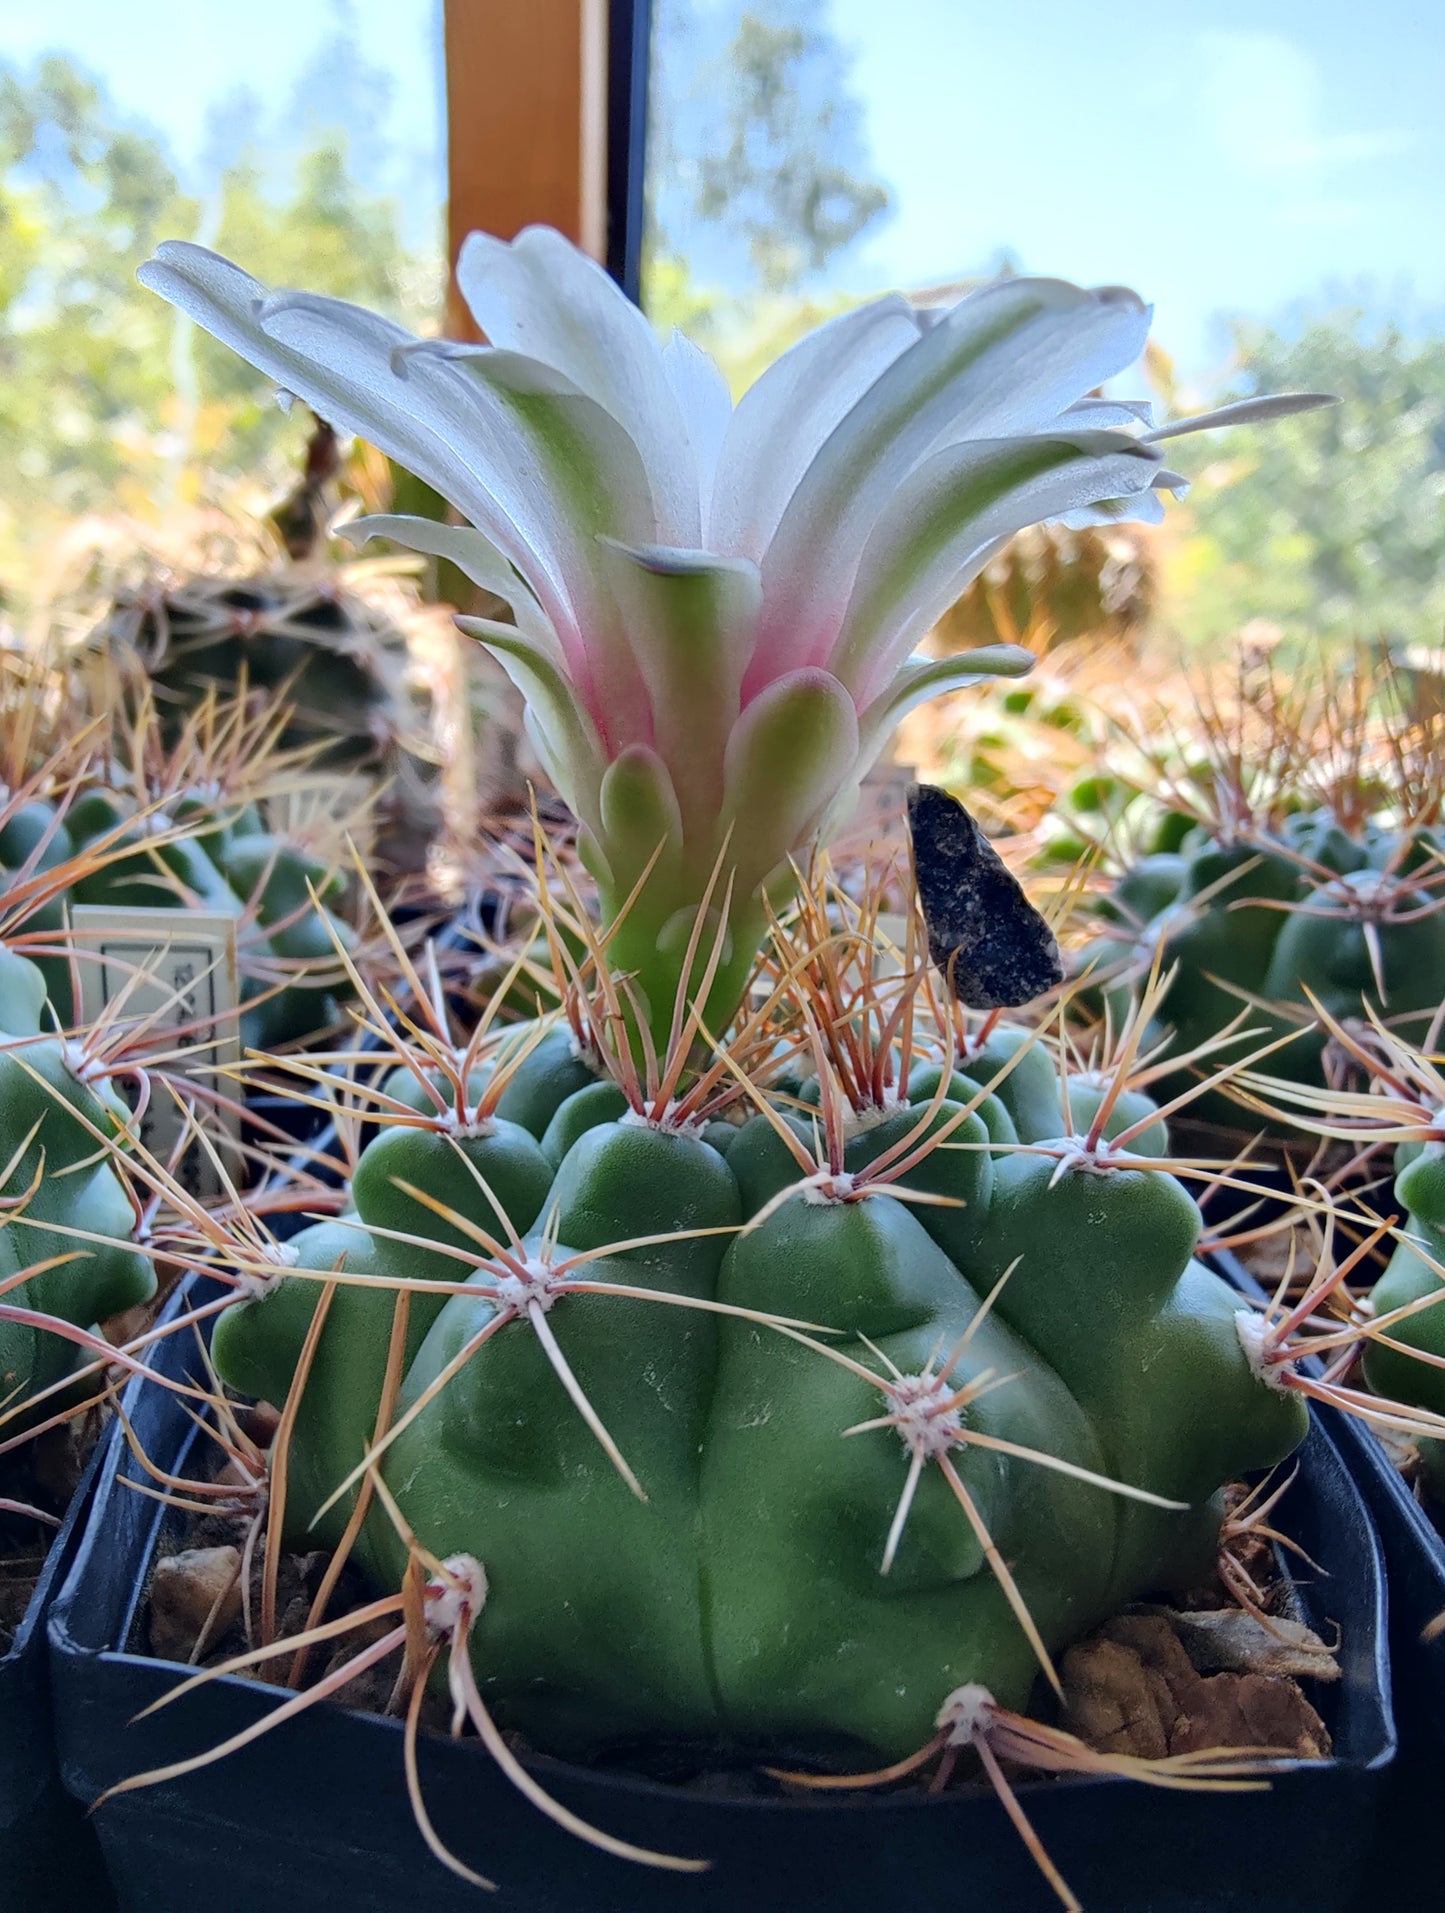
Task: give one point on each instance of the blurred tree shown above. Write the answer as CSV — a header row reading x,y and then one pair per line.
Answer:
x,y
776,172
107,400
1341,527
757,168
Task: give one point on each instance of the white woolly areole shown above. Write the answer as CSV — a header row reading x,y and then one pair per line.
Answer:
x,y
1435,1147
1365,892
669,1123
459,1596
967,1715
826,1187
539,1283
1252,1329
1095,1159
254,1282
857,1122
467,1125
84,1067
925,1425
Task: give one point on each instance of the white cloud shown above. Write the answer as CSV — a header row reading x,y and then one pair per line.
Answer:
x,y
1261,103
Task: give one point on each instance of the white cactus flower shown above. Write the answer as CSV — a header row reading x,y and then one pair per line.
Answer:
x,y
715,605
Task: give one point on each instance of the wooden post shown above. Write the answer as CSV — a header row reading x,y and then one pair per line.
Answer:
x,y
526,86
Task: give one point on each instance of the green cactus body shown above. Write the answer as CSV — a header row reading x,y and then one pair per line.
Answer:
x,y
1409,1278
1314,913
59,1181
743,1603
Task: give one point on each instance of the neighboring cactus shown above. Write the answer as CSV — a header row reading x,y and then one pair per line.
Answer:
x,y
132,823
1400,1320
1052,585
299,637
296,635
1296,862
286,938
65,1214
1403,1108
57,1181
1018,1330
1414,1282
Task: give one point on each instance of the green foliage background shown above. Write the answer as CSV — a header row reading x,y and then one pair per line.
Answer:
x,y
1340,529
107,402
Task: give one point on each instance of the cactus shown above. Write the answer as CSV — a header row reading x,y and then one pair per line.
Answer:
x,y
51,1114
1295,865
773,1413
712,1361
1404,1109
131,823
57,1111
300,637
1407,1366
293,635
1053,585
227,862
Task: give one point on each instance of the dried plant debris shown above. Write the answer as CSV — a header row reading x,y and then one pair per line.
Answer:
x,y
992,945
1230,1641
1135,1687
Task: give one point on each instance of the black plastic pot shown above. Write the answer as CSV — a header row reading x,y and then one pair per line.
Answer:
x,y
49,1858
317,1813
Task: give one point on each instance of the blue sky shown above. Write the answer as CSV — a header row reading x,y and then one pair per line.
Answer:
x,y
1221,157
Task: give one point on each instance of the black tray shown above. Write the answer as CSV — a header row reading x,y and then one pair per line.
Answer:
x,y
316,1814
49,1857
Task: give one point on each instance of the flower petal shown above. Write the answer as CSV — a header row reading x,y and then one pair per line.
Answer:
x,y
922,678
707,407
356,388
689,617
567,741
472,554
640,812
790,750
1107,415
790,410
577,476
542,297
1244,412
938,527
1005,360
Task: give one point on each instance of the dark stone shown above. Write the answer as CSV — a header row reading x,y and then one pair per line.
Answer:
x,y
993,947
